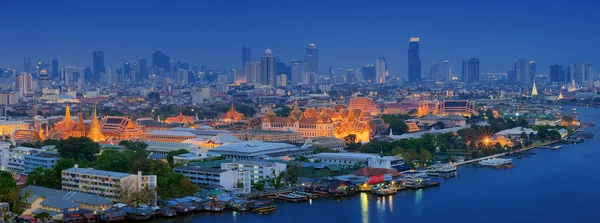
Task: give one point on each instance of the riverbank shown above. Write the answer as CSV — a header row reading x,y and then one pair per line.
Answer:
x,y
504,153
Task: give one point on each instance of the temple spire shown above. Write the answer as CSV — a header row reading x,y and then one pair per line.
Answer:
x,y
67,114
95,131
534,90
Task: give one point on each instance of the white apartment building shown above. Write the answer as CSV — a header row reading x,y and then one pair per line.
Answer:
x,y
111,185
228,179
258,169
13,160
348,160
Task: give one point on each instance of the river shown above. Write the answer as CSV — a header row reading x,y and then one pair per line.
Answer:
x,y
552,186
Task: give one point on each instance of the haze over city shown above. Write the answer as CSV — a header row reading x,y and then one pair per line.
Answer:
x,y
349,34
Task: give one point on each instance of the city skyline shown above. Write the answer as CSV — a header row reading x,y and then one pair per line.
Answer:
x,y
495,44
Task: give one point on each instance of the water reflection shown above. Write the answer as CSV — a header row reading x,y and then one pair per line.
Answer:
x,y
364,207
391,203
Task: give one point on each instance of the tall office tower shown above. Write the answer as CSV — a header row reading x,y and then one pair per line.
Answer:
x,y
369,73
196,69
380,71
414,61
568,74
24,83
54,70
182,76
283,69
281,80
331,72
44,79
42,66
531,71
520,71
351,76
588,70
143,72
27,65
300,74
161,60
253,72
470,70
446,71
434,72
246,56
577,73
127,71
98,64
311,57
557,74
88,74
268,67
111,75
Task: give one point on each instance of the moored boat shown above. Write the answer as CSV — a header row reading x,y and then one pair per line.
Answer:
x,y
494,162
263,207
555,147
385,191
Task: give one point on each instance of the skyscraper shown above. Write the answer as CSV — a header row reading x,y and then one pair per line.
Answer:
x,y
434,72
161,61
531,71
127,71
246,56
414,61
470,72
111,75
557,74
520,71
369,73
268,68
577,73
54,70
446,70
143,73
380,70
331,72
98,65
588,70
88,74
299,72
27,65
253,72
568,74
311,57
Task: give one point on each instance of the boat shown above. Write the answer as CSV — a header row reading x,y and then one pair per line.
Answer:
x,y
293,197
555,147
168,212
509,166
441,170
414,179
385,191
322,193
262,207
494,162
309,195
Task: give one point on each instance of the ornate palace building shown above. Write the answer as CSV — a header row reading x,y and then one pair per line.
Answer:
x,y
187,121
116,127
335,122
233,121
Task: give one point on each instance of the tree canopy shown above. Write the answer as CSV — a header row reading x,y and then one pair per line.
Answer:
x,y
78,148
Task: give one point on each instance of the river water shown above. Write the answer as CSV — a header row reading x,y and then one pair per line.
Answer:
x,y
552,186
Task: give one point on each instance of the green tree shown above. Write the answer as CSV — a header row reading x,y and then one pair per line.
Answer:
x,y
63,164
133,145
424,156
174,186
78,148
114,160
44,178
10,193
171,154
302,159
275,181
42,216
319,149
291,174
284,111
259,186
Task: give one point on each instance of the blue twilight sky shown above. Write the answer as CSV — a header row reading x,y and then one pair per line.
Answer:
x,y
348,34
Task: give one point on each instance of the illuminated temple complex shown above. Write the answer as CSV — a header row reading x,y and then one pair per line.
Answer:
x,y
335,122
233,121
187,121
447,107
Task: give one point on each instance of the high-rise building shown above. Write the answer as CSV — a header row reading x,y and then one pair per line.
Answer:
x,y
568,74
470,70
246,56
24,83
283,69
143,70
414,61
98,64
281,80
557,74
161,60
182,77
520,71
434,72
268,68
446,70
588,70
88,74
331,72
380,71
54,70
369,73
127,71
577,73
44,79
300,74
111,75
311,57
531,71
27,65
253,73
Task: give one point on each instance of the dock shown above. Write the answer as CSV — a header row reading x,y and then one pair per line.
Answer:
x,y
268,193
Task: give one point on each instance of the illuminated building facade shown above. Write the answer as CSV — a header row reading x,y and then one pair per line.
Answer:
x,y
117,127
457,107
181,119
